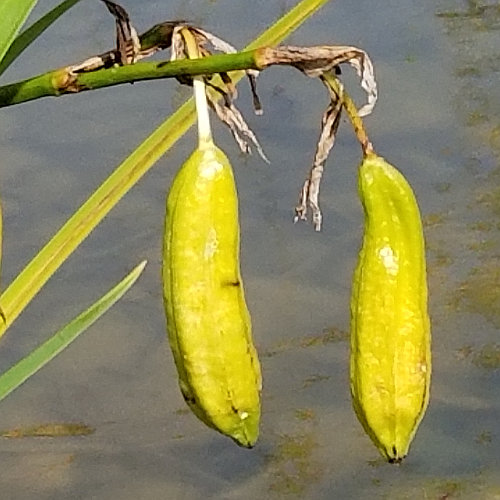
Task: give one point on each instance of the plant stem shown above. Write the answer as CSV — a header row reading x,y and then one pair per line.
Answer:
x,y
59,82
352,112
200,97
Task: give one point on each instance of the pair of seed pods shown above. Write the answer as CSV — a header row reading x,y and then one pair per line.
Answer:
x,y
209,325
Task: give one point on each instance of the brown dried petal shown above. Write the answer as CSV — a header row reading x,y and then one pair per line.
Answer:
x,y
216,42
125,33
111,57
309,195
314,61
226,111
177,50
242,133
223,46
364,69
252,75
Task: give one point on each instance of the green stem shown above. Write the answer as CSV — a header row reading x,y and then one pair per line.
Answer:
x,y
59,82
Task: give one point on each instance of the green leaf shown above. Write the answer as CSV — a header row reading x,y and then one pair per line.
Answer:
x,y
13,13
33,32
29,365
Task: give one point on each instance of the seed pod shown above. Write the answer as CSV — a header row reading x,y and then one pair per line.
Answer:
x,y
208,321
390,331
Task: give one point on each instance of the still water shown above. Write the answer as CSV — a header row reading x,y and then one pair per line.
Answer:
x,y
437,119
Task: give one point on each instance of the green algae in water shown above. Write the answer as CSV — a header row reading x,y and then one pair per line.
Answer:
x,y
480,293
433,219
305,414
484,437
476,118
327,336
482,226
448,489
469,487
482,245
488,357
442,187
313,379
490,199
292,465
182,411
49,430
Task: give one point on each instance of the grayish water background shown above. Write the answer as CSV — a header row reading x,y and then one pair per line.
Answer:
x,y
437,120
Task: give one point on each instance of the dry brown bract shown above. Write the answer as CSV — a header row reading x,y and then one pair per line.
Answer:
x,y
222,101
316,62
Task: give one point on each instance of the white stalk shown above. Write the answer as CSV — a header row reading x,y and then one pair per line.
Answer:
x,y
204,130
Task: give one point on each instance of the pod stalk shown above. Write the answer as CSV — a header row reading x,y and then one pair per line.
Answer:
x,y
352,112
200,97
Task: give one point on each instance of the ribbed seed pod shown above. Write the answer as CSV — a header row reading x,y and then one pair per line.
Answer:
x,y
390,359
208,322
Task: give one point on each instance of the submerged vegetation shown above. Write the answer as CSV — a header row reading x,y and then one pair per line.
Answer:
x,y
292,464
49,430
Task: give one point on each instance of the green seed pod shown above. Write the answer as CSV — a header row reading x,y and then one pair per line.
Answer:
x,y
390,331
207,318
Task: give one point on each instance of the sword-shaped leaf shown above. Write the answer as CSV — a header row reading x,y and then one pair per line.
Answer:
x,y
38,358
13,14
33,32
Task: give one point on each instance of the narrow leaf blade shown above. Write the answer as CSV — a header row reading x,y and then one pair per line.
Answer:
x,y
33,32
13,13
38,358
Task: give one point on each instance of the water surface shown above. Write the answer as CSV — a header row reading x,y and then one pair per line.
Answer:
x,y
437,120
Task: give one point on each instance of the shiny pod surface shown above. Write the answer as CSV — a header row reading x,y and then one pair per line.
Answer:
x,y
390,331
207,318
